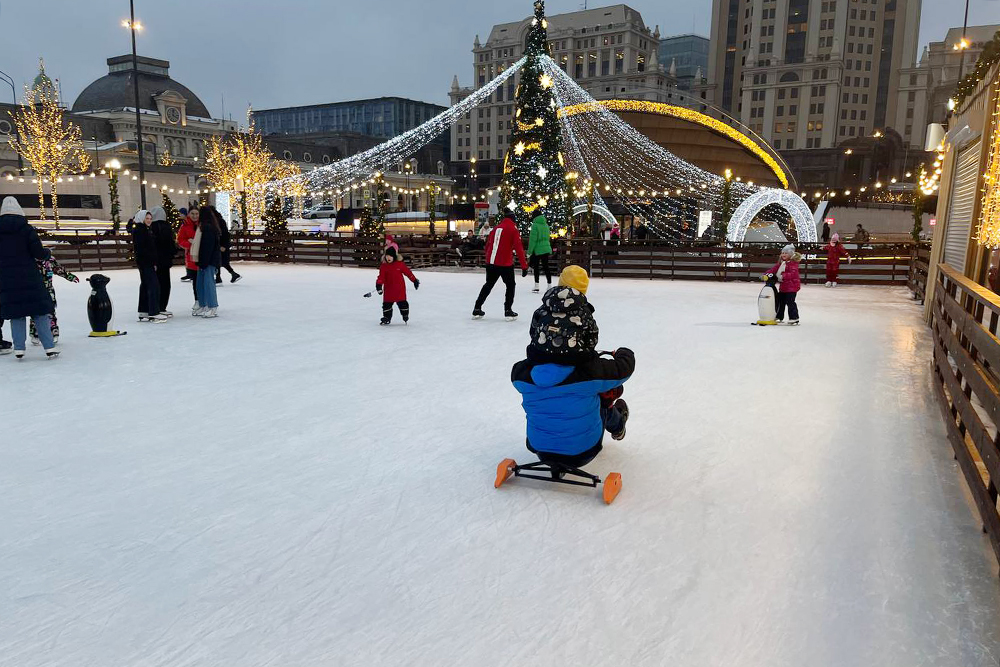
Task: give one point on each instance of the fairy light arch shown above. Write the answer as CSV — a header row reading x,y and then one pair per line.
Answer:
x,y
805,226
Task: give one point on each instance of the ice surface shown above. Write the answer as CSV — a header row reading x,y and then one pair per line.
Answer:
x,y
292,485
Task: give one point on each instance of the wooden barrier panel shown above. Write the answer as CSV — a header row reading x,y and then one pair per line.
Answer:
x,y
966,361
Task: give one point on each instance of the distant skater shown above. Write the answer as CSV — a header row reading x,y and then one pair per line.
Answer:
x,y
392,287
501,245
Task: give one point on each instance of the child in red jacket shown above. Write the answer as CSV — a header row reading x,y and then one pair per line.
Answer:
x,y
834,251
787,272
392,287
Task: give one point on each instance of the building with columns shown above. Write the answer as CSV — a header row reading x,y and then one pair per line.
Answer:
x,y
609,51
807,75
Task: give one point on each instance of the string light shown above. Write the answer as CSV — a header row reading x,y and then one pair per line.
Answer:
x,y
989,216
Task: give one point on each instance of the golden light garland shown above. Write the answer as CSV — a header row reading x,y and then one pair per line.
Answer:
x,y
683,113
51,145
989,217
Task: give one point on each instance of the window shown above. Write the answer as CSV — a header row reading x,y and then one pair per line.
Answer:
x,y
287,155
793,109
779,127
780,111
777,144
307,157
795,93
791,144
781,93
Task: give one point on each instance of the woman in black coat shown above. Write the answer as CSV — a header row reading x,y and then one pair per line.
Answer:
x,y
22,290
225,241
209,260
144,248
166,249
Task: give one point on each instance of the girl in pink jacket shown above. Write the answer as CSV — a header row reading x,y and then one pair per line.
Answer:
x,y
787,272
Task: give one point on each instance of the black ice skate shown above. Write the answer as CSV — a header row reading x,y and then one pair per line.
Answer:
x,y
478,314
510,315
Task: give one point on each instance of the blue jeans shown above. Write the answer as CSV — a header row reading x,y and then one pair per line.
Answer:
x,y
207,296
19,331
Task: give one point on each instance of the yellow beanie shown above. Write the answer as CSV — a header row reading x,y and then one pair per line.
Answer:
x,y
576,277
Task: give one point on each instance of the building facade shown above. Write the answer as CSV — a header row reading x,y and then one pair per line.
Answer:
x,y
807,75
610,52
383,117
924,90
686,58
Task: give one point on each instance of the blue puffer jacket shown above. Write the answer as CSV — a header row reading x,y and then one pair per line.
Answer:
x,y
562,403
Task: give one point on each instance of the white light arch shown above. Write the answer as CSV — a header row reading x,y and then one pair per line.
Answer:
x,y
598,209
805,226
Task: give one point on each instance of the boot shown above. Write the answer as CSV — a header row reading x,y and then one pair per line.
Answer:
x,y
622,407
6,347
509,314
236,277
477,313
833,284
829,283
536,288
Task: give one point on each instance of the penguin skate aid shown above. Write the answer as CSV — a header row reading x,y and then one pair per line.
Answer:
x,y
570,392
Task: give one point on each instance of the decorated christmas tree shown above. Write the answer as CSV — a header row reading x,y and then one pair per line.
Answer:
x,y
173,216
534,171
275,231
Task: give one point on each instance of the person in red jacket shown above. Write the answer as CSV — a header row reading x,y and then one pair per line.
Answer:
x,y
392,287
503,241
834,251
789,283
184,237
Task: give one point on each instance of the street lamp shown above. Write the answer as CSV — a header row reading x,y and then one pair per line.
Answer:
x,y
407,167
134,27
472,174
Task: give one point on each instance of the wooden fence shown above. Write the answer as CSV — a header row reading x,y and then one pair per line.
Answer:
x,y
875,264
966,360
917,278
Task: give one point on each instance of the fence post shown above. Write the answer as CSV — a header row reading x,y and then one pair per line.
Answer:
x,y
79,252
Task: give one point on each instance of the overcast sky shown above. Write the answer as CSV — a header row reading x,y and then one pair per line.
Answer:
x,y
289,52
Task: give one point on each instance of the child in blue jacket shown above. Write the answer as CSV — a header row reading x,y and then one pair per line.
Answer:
x,y
569,392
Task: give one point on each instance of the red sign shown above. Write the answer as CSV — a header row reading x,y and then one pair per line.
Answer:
x,y
829,221
933,221
481,204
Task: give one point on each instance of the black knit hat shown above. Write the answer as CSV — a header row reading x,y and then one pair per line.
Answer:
x,y
563,329
391,252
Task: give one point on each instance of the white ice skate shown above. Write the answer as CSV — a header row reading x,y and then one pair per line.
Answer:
x,y
829,284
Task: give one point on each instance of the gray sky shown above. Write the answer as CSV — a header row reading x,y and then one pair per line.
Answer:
x,y
290,52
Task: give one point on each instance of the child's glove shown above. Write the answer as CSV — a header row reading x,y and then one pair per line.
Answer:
x,y
416,284
74,278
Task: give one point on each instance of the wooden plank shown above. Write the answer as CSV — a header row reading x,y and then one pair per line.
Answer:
x,y
986,391
984,343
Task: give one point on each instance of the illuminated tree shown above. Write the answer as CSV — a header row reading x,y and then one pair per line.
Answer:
x,y
173,215
534,174
48,142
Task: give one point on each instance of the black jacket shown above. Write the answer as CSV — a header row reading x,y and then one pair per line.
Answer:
x,y
144,246
166,246
225,239
22,290
210,250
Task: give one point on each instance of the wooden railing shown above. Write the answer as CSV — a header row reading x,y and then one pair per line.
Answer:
x,y
964,321
875,264
916,280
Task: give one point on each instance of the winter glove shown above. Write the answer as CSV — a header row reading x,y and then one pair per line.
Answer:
x,y
524,273
416,284
378,288
74,278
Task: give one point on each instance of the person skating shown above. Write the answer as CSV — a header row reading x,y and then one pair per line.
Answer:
x,y
392,287
539,250
570,393
22,290
226,240
789,284
185,235
49,268
6,347
501,245
834,251
166,248
144,248
209,257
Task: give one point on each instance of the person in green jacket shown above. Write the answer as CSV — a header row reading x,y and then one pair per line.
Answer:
x,y
539,249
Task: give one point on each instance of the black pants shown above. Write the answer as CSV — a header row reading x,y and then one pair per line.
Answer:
x,y
787,299
493,274
163,278
192,275
225,265
149,291
404,310
540,262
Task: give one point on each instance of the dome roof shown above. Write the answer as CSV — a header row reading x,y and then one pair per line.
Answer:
x,y
115,90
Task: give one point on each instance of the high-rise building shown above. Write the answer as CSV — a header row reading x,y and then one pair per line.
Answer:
x,y
686,58
924,90
383,117
807,75
609,51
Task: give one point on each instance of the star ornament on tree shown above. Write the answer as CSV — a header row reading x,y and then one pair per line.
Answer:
x,y
546,81
542,172
519,148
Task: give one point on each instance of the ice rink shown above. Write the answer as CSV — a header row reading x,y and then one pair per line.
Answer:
x,y
291,485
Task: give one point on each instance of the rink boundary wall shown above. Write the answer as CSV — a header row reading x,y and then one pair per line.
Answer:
x,y
874,264
966,363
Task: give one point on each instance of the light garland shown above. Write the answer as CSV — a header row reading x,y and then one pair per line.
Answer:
x,y
989,217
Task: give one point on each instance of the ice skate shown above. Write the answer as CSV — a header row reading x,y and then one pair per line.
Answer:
x,y
6,347
478,314
210,313
829,284
195,309
622,407
793,323
166,313
510,315
236,278
384,322
143,317
35,341
158,318
52,353
833,284
535,290
19,354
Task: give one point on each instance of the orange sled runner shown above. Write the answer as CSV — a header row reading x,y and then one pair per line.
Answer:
x,y
560,473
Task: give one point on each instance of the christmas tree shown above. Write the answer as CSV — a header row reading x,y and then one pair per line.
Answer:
x,y
173,216
534,171
275,231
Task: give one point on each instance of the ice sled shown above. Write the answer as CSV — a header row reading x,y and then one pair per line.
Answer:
x,y
551,471
767,301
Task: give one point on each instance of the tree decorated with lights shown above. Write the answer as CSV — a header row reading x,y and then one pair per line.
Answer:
x,y
275,230
173,215
48,142
534,170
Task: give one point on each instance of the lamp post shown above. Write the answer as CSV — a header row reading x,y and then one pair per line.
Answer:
x,y
6,78
472,172
134,27
407,169
113,166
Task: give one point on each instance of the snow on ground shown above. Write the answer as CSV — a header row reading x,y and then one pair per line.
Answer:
x,y
291,485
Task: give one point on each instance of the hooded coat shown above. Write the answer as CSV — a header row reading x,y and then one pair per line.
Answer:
x,y
834,251
561,380
163,237
22,288
539,242
143,242
390,279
